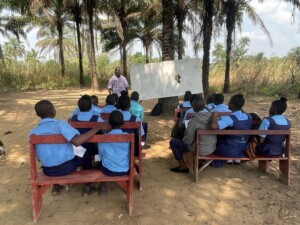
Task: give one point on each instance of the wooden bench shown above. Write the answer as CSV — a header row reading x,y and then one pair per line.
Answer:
x,y
127,125
284,161
105,116
40,182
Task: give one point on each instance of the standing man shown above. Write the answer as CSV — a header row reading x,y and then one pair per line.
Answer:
x,y
117,83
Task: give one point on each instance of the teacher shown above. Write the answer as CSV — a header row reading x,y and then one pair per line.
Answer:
x,y
117,83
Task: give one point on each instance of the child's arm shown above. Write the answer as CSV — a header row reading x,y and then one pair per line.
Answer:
x,y
80,139
214,121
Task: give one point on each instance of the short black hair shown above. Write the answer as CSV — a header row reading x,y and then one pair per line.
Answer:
x,y
187,96
85,103
116,96
280,105
210,99
110,100
95,100
124,102
124,93
238,101
44,108
116,119
194,97
135,96
198,104
218,98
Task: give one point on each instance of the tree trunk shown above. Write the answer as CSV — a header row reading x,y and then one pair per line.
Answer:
x,y
207,33
81,80
230,26
180,20
61,50
1,55
148,48
168,103
124,60
95,85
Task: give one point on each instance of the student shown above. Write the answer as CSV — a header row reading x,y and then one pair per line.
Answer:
x,y
95,102
232,145
110,104
193,97
138,110
272,145
207,143
210,102
124,104
85,115
219,105
58,159
116,100
115,156
95,110
186,100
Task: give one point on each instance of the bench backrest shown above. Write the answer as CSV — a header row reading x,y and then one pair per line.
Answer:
x,y
59,139
287,133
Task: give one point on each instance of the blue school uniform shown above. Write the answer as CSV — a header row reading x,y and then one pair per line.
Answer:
x,y
185,104
136,109
95,110
115,156
54,154
211,106
233,145
273,144
108,109
220,108
128,116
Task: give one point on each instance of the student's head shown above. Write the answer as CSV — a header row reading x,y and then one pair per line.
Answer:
x,y
278,106
110,100
85,103
116,96
95,100
236,102
210,99
198,104
124,102
194,97
187,96
116,119
123,93
135,96
45,109
117,71
218,99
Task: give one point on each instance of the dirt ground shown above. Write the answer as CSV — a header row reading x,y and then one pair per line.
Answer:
x,y
228,195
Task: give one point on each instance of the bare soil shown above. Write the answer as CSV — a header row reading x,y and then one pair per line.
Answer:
x,y
227,195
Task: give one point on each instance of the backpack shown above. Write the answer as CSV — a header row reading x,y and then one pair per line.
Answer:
x,y
179,128
157,110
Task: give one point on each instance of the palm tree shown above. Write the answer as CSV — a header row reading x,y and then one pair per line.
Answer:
x,y
168,47
76,9
234,9
14,49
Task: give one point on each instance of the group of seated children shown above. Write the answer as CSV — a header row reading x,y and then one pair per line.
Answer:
x,y
232,145
59,159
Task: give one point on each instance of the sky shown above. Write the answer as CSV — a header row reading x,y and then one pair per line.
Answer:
x,y
277,17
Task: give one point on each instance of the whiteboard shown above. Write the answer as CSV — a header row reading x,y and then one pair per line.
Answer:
x,y
159,80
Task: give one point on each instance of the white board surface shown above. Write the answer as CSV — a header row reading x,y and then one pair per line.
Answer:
x,y
158,80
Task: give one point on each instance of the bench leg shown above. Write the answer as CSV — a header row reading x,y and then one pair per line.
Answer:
x,y
263,165
36,202
130,197
284,171
140,174
196,165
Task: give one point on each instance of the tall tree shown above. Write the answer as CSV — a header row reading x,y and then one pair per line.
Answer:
x,y
168,103
14,49
76,8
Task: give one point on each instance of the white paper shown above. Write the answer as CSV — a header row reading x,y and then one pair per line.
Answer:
x,y
97,158
79,151
186,123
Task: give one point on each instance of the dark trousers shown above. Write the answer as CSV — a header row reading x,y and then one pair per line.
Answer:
x,y
145,127
64,168
178,147
110,173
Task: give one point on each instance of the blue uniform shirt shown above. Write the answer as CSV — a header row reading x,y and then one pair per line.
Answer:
x,y
127,115
86,116
226,121
220,108
136,109
210,106
54,154
186,104
278,119
95,110
115,156
108,109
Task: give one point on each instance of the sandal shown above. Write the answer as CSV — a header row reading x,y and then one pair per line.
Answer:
x,y
178,169
56,188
